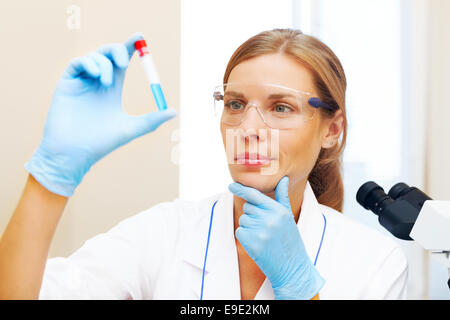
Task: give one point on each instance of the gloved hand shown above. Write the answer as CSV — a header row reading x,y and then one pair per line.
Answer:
x,y
269,234
86,120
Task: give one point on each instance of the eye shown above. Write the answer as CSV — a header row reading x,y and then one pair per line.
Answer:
x,y
235,105
283,108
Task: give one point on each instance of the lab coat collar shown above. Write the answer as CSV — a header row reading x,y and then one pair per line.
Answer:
x,y
222,268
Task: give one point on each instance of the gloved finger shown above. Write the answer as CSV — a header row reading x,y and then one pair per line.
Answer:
x,y
82,66
243,235
246,221
282,192
140,125
105,66
117,53
247,239
252,210
129,44
250,194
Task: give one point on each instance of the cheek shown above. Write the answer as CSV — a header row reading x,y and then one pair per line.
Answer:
x,y
230,149
299,149
222,131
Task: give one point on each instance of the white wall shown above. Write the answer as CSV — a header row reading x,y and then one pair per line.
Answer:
x,y
438,128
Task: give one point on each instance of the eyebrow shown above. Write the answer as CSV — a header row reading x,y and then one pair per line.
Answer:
x,y
281,95
271,97
234,94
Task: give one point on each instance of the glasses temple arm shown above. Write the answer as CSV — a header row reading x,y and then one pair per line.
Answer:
x,y
317,103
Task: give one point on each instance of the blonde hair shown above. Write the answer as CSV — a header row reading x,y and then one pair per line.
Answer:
x,y
330,82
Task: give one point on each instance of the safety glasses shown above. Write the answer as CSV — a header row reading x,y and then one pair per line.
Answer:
x,y
279,107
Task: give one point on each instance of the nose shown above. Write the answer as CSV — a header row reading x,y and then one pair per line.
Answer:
x,y
251,124
253,119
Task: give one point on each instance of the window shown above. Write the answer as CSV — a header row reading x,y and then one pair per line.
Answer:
x,y
370,54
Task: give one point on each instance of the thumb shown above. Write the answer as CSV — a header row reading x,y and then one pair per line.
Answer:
x,y
149,122
282,192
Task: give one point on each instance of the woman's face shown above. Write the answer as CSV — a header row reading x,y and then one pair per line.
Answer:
x,y
291,152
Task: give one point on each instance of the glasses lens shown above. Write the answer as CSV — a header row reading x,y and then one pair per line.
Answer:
x,y
279,107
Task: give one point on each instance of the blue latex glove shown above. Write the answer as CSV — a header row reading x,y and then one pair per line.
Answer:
x,y
270,236
86,120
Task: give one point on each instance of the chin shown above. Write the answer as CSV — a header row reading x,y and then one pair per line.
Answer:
x,y
253,178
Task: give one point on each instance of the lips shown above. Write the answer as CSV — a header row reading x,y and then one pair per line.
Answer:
x,y
252,159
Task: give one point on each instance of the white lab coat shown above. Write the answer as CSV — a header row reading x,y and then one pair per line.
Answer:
x,y
159,254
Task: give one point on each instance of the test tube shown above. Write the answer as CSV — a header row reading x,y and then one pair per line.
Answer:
x,y
152,75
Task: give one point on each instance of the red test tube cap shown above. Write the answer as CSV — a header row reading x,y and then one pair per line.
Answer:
x,y
141,47
140,44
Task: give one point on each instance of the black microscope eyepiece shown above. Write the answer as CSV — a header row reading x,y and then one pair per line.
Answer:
x,y
372,197
398,210
398,190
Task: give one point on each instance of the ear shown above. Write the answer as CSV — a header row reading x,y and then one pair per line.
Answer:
x,y
332,129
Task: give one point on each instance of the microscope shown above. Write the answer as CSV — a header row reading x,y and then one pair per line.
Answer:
x,y
409,214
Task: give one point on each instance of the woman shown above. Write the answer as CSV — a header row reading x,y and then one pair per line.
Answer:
x,y
277,233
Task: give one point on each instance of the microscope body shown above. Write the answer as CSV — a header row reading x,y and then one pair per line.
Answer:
x,y
409,214
432,227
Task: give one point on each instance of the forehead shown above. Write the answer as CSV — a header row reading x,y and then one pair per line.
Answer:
x,y
278,69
